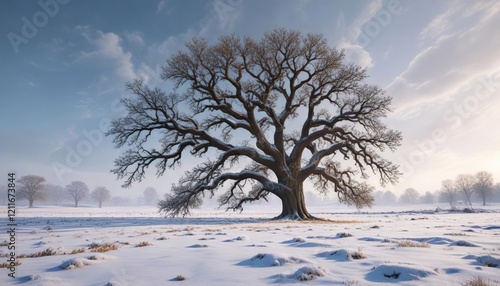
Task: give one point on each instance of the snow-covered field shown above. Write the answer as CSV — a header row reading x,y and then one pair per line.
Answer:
x,y
380,246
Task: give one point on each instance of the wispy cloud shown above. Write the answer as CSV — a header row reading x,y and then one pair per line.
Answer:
x,y
451,63
354,30
107,51
350,42
134,38
160,6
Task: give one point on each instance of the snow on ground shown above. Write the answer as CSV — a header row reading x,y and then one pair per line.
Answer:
x,y
136,246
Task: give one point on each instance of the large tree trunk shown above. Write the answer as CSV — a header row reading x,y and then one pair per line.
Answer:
x,y
294,205
31,203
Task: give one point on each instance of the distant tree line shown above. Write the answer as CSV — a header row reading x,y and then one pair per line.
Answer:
x,y
34,189
464,189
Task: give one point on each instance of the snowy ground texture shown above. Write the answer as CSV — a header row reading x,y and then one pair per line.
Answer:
x,y
135,246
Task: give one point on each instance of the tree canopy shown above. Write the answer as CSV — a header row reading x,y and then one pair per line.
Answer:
x,y
262,116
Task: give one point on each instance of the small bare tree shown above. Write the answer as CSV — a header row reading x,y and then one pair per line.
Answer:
x,y
427,198
150,196
78,191
266,115
31,188
389,198
449,191
410,196
55,194
484,185
465,184
100,195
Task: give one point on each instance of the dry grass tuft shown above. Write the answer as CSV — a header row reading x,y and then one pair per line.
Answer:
x,y
358,254
479,281
77,250
180,278
409,243
143,243
456,234
343,234
96,247
7,264
47,252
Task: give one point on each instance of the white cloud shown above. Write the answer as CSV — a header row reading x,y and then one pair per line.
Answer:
x,y
227,12
356,54
160,6
354,30
439,24
108,51
134,38
354,51
440,71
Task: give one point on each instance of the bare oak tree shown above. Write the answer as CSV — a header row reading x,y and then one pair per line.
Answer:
x,y
100,195
31,188
78,191
484,185
465,184
266,115
449,191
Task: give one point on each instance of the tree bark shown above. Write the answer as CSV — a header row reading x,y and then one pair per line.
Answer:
x,y
31,203
294,205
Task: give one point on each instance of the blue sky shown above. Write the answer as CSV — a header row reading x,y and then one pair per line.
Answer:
x,y
65,64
